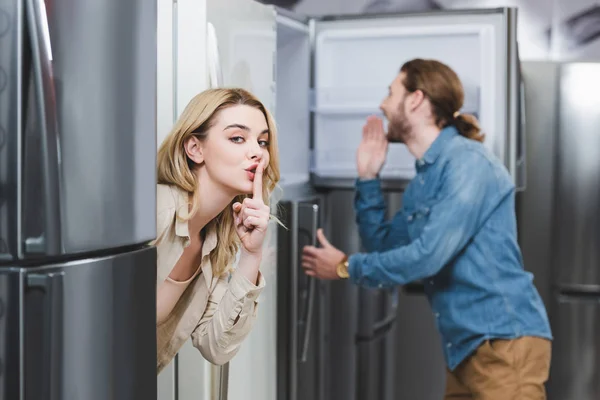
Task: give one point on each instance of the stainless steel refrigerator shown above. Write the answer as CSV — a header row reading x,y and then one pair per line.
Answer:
x,y
558,217
330,74
77,199
575,253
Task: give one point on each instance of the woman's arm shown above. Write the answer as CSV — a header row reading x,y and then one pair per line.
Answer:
x,y
172,280
229,314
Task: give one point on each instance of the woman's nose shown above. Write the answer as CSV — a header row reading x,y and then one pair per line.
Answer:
x,y
255,152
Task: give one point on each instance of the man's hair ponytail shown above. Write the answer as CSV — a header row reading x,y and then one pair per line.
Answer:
x,y
468,126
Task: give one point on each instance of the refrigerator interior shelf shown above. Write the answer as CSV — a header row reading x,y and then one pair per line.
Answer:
x,y
341,163
366,100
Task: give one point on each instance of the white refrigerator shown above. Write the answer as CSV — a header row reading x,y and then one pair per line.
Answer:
x,y
322,77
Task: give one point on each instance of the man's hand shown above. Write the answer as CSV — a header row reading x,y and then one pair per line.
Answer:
x,y
372,150
322,262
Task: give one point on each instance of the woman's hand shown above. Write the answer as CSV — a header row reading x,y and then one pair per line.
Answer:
x,y
252,217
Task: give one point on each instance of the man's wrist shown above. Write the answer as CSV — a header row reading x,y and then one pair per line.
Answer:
x,y
342,268
367,177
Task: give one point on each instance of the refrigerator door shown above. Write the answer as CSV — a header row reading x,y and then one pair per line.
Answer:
x,y
576,251
246,42
241,49
88,139
88,329
576,349
11,30
299,351
356,58
292,109
11,330
359,340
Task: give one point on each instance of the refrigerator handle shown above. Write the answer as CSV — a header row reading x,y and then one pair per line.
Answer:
x,y
37,19
51,285
311,232
515,116
215,74
521,181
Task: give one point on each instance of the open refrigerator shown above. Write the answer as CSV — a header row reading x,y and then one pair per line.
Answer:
x,y
321,77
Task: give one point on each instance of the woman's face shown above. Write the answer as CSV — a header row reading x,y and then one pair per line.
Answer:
x,y
237,142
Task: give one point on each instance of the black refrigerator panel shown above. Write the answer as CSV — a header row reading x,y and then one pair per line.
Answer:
x,y
575,369
77,136
87,329
11,28
360,322
11,328
299,346
576,218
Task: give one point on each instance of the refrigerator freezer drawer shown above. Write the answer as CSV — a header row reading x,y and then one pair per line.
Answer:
x,y
576,349
11,282
88,329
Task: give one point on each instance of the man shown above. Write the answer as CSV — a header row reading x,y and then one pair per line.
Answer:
x,y
457,231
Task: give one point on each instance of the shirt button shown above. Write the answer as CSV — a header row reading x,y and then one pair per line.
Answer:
x,y
410,217
448,345
437,314
380,286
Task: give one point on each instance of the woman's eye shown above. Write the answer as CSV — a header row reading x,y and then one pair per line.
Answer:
x,y
263,143
237,139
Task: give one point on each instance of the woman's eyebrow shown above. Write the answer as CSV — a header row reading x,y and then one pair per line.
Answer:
x,y
238,126
245,128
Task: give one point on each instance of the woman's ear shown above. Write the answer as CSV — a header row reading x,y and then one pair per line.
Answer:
x,y
193,149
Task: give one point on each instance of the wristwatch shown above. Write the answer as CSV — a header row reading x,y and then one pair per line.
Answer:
x,y
342,268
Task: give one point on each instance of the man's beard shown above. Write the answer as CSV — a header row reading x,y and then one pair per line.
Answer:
x,y
398,127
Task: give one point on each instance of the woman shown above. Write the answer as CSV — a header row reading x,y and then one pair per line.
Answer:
x,y
216,170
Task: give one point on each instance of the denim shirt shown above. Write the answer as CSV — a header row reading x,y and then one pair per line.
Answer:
x,y
457,232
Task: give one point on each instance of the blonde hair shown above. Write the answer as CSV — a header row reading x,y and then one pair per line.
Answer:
x,y
175,168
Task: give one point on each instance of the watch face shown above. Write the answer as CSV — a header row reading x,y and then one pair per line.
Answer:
x,y
342,270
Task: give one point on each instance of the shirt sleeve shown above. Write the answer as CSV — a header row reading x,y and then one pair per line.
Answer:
x,y
461,208
376,233
228,318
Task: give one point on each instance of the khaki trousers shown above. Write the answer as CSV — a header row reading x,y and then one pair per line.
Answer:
x,y
502,370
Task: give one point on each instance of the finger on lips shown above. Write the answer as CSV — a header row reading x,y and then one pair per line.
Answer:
x,y
258,184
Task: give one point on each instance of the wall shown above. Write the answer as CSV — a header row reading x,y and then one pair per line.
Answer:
x,y
542,33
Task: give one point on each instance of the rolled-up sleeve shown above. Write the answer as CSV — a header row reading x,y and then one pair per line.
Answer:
x,y
228,318
376,233
464,203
